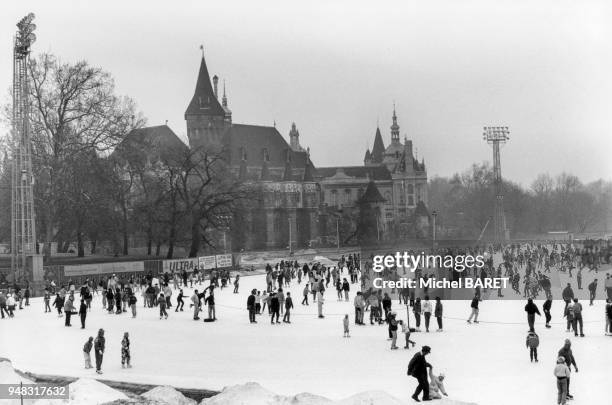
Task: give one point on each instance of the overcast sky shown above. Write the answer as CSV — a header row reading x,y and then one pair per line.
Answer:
x,y
543,68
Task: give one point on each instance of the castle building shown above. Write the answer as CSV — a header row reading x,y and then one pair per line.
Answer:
x,y
296,203
399,177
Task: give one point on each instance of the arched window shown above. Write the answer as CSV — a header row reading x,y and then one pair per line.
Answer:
x,y
347,196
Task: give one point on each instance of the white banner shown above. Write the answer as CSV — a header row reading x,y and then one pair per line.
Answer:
x,y
178,265
102,268
207,262
224,260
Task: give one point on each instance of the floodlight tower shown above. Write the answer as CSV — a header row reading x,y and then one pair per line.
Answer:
x,y
494,136
23,230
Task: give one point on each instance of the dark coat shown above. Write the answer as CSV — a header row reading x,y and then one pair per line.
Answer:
x,y
418,365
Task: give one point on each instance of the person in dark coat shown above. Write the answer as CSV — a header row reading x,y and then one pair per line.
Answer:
x,y
99,344
532,309
251,307
110,300
546,307
288,307
274,308
417,368
83,313
567,294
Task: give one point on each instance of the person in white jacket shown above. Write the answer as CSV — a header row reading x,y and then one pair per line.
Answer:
x,y
436,385
10,305
320,301
562,372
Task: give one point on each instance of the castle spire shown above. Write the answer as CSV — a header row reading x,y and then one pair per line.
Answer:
x,y
224,99
395,135
204,101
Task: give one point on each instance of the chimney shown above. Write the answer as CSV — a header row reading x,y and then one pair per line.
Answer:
x,y
215,85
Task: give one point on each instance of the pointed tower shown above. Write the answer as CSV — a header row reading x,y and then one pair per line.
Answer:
x,y
367,158
294,138
378,150
395,135
205,116
228,112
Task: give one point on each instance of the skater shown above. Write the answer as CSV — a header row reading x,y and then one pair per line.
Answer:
x,y
392,329
99,350
132,302
195,303
258,302
416,310
10,306
236,283
438,313
406,332
345,323
562,372
436,386
69,310
46,298
474,306
274,308
3,305
417,368
210,301
577,322
569,314
58,303
251,307
592,291
532,310
87,352
161,301
568,356
305,292
532,342
320,301
608,315
346,287
567,295
83,313
179,301
125,351
546,307
288,307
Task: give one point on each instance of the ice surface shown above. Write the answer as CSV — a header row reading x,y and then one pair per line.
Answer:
x,y
486,364
168,395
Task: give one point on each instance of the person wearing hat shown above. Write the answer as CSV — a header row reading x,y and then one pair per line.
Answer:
x,y
568,357
562,372
251,306
417,368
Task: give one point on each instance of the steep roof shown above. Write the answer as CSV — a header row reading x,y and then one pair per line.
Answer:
x,y
367,156
378,150
157,140
254,139
371,194
371,172
204,101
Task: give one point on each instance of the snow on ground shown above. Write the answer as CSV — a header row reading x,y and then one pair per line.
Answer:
x,y
86,391
487,363
9,376
168,395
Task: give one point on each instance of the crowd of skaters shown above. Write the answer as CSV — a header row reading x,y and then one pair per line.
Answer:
x,y
119,295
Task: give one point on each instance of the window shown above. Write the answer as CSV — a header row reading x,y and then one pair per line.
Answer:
x,y
334,198
410,192
347,196
266,155
388,198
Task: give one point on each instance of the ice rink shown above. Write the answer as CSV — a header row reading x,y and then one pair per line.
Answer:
x,y
486,363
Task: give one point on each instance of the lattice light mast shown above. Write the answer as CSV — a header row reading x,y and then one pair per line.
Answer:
x,y
496,136
23,230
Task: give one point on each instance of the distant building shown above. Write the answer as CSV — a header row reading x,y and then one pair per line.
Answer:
x,y
296,201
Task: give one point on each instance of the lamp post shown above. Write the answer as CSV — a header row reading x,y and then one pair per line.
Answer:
x,y
338,233
290,242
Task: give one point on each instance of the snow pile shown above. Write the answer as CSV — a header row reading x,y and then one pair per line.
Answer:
x,y
250,393
168,395
86,391
304,398
9,376
371,398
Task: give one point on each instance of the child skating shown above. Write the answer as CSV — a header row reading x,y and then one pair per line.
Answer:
x,y
345,322
87,352
125,351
